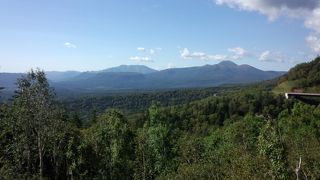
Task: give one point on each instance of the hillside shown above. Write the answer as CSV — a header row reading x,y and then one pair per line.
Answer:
x,y
234,133
304,77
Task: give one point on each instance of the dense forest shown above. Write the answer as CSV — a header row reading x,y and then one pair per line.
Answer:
x,y
248,133
134,102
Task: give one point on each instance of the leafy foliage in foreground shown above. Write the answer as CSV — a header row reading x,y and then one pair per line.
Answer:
x,y
249,134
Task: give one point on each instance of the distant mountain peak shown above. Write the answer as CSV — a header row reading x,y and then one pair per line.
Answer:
x,y
131,68
228,63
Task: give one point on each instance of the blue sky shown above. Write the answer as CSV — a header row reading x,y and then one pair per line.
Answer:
x,y
93,35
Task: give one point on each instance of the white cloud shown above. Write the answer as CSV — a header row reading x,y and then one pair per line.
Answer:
x,y
152,51
314,43
307,10
236,54
238,51
145,58
312,21
70,45
218,57
185,54
274,8
141,49
264,56
268,56
141,59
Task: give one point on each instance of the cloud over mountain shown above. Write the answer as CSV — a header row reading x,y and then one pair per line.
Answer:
x,y
268,56
307,10
234,54
141,59
274,8
314,42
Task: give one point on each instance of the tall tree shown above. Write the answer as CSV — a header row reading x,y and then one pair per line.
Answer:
x,y
33,124
111,139
153,146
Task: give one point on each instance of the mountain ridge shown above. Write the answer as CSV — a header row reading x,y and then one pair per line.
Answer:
x,y
226,72
142,77
130,68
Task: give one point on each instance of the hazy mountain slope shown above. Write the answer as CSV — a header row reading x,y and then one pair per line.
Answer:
x,y
211,75
225,72
131,68
61,76
8,80
106,80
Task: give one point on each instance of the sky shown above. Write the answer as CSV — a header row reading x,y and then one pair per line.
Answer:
x,y
86,35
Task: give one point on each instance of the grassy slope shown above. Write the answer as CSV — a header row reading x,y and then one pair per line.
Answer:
x,y
283,87
288,86
301,73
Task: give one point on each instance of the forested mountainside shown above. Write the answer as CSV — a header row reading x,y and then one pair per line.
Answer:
x,y
250,133
304,77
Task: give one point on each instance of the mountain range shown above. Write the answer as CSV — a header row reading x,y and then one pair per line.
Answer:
x,y
130,77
